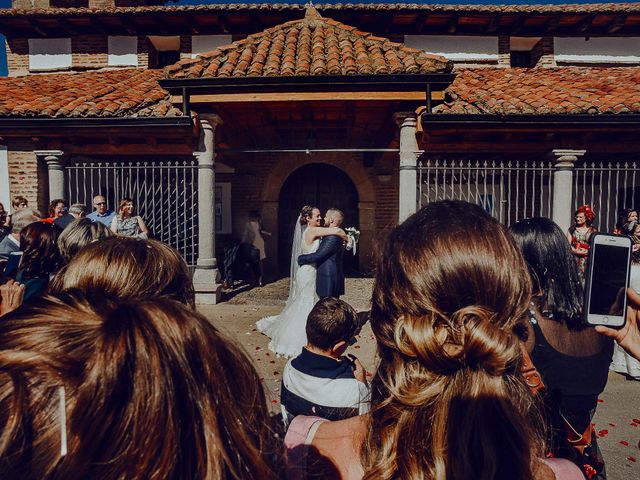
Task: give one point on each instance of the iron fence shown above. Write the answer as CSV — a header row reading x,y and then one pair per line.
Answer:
x,y
510,190
609,186
165,193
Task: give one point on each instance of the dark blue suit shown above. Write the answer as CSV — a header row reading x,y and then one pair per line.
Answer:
x,y
328,259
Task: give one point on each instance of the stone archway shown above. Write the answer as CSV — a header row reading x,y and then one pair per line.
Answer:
x,y
351,166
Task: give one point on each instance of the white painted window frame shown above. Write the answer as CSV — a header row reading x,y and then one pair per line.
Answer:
x,y
46,54
123,51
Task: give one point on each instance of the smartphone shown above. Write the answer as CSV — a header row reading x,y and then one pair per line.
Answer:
x,y
607,280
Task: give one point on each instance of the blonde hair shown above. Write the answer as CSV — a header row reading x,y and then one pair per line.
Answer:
x,y
78,234
123,203
128,267
448,307
152,390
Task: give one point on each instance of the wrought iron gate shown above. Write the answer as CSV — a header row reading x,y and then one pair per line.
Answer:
x,y
509,190
165,193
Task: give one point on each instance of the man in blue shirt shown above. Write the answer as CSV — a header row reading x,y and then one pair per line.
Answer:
x,y
101,213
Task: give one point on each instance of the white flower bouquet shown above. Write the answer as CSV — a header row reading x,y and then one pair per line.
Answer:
x,y
354,236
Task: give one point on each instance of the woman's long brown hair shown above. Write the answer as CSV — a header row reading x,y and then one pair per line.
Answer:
x,y
152,391
450,294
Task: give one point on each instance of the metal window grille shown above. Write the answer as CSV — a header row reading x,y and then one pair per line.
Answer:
x,y
608,186
510,190
165,194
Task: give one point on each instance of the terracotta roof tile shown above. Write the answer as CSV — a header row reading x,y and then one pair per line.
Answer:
x,y
310,47
117,93
568,8
565,90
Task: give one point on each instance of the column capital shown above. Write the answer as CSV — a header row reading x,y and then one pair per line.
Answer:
x,y
565,158
53,158
405,119
212,119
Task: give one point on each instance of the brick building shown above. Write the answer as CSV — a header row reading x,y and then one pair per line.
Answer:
x,y
203,113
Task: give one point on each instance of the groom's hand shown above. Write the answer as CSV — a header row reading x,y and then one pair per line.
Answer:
x,y
301,260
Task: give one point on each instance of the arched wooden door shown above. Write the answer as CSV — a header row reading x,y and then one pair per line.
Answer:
x,y
323,186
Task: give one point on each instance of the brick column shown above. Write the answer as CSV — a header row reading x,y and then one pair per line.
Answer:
x,y
408,204
563,186
206,275
56,170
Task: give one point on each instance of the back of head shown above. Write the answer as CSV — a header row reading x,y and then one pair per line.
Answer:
x,y
40,254
449,299
337,215
80,233
330,321
553,268
22,218
128,267
146,396
78,209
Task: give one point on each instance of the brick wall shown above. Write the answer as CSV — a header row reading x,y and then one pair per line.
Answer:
x,y
27,175
17,56
89,52
185,47
504,51
144,46
542,54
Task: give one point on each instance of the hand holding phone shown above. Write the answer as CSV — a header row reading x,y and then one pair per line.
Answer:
x,y
607,280
628,337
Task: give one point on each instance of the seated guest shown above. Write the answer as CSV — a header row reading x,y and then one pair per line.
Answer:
x,y
20,219
127,268
76,211
126,223
57,209
127,389
40,258
79,234
449,400
320,381
101,213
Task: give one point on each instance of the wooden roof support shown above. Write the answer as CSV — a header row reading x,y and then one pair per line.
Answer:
x,y
617,24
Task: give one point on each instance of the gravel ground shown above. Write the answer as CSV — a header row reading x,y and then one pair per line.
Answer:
x,y
358,294
617,420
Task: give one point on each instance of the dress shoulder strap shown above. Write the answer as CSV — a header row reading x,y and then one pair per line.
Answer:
x,y
563,469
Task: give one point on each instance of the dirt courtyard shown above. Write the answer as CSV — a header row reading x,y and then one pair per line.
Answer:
x,y
617,420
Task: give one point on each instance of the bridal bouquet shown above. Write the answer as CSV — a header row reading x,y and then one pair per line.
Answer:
x,y
354,235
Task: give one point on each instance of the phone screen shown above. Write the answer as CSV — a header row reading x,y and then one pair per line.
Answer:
x,y
608,279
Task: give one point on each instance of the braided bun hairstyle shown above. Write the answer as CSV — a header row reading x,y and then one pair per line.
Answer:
x,y
306,213
450,295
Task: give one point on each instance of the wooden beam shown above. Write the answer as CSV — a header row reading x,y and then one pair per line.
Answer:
x,y
553,24
128,149
494,24
617,24
418,26
300,96
585,23
519,23
452,24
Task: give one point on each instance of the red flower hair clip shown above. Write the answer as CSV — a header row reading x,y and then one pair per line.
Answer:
x,y
588,212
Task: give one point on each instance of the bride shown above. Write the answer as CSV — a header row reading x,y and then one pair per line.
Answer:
x,y
288,330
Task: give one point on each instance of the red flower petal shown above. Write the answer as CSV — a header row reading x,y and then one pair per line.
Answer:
x,y
631,459
624,442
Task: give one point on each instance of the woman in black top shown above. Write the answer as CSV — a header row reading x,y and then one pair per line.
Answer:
x,y
573,359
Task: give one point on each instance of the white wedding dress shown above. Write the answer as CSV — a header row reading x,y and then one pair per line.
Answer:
x,y
288,330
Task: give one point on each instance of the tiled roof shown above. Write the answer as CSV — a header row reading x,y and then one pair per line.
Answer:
x,y
605,8
543,91
309,47
117,93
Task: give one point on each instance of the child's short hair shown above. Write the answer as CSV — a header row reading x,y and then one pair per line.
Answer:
x,y
330,321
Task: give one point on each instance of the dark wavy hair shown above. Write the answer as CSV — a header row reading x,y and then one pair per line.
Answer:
x,y
40,254
553,268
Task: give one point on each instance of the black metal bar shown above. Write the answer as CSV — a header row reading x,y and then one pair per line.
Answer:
x,y
185,102
429,98
501,120
99,122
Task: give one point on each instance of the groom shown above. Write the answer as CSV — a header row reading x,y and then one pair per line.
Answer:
x,y
328,259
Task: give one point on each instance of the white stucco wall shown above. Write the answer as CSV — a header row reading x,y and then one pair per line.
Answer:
x,y
123,51
206,43
456,48
597,49
49,53
5,197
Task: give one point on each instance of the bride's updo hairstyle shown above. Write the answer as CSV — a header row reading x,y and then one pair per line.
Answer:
x,y
305,214
449,300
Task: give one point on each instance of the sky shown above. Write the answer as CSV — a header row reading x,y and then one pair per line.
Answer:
x,y
7,4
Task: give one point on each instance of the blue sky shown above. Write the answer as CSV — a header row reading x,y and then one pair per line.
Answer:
x,y
7,4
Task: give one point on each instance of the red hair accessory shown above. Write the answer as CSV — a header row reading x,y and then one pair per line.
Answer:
x,y
588,212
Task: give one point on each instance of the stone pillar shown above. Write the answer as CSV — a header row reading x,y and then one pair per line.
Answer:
x,y
408,203
56,170
206,275
562,210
